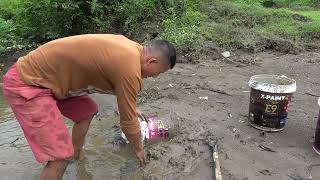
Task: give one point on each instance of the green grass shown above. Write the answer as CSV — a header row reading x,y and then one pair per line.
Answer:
x,y
184,29
311,29
314,15
243,23
296,4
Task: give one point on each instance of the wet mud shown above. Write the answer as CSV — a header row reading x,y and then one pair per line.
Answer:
x,y
205,101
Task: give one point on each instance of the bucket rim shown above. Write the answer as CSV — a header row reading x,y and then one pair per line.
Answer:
x,y
271,87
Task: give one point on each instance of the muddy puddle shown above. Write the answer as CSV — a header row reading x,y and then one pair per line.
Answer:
x,y
5,112
107,157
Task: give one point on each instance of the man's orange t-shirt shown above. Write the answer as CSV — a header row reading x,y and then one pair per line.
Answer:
x,y
85,64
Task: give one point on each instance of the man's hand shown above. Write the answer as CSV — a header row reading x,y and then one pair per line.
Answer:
x,y
141,158
141,114
137,146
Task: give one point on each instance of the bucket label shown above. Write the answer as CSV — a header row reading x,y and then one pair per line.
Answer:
x,y
268,111
273,97
271,108
157,129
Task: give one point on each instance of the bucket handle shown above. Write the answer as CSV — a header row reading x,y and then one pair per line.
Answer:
x,y
143,117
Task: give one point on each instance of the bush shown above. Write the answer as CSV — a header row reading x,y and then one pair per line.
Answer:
x,y
43,20
184,29
133,13
8,40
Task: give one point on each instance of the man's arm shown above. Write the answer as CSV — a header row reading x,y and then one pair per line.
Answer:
x,y
127,90
137,146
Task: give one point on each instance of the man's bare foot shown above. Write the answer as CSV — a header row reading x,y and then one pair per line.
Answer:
x,y
79,155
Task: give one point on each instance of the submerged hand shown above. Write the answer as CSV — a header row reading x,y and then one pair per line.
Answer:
x,y
141,158
137,146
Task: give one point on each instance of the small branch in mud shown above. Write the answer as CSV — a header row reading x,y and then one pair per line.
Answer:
x,y
12,142
232,62
266,148
266,172
310,94
220,102
215,90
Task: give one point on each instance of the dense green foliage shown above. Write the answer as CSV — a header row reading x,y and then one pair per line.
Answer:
x,y
187,23
42,20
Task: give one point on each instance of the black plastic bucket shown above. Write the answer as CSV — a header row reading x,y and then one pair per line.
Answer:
x,y
269,101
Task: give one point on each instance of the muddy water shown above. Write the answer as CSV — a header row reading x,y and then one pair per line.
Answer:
x,y
5,112
15,157
107,156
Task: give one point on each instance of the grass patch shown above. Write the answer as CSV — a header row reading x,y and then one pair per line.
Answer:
x,y
311,29
249,25
314,15
185,31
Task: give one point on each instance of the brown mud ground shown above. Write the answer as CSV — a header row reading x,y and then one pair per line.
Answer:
x,y
176,95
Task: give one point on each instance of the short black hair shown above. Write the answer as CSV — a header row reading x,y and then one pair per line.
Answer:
x,y
167,50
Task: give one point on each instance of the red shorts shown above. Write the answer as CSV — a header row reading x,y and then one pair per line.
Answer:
x,y
40,116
